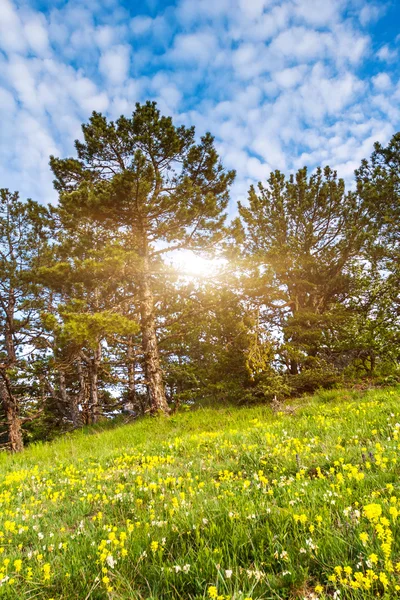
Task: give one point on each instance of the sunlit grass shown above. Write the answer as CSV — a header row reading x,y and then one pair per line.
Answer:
x,y
225,503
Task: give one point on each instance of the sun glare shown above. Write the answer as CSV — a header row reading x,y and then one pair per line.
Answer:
x,y
190,264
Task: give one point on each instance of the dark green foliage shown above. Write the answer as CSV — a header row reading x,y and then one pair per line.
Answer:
x,y
302,237
145,169
23,241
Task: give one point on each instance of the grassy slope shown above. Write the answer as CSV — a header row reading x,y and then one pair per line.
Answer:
x,y
226,503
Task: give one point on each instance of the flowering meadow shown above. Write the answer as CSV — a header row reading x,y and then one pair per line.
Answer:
x,y
227,503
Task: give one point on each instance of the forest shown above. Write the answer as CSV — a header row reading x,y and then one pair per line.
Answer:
x,y
97,322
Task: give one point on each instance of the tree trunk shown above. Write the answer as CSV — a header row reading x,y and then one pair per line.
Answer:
x,y
131,375
82,399
134,401
10,403
294,368
69,401
10,407
93,382
149,342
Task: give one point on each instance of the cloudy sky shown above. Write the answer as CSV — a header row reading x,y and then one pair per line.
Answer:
x,y
279,83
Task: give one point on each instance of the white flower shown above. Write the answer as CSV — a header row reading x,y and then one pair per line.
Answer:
x,y
228,573
186,568
110,561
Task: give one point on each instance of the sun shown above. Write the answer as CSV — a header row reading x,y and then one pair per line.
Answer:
x,y
190,264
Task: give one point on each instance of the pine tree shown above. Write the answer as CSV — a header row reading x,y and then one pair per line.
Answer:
x,y
378,186
300,236
23,237
157,190
89,277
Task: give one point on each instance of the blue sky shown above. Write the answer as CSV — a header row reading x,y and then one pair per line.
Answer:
x,y
279,83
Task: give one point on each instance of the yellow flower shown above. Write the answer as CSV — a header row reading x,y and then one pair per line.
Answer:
x,y
212,592
372,511
373,558
383,579
364,537
46,572
18,565
348,570
300,518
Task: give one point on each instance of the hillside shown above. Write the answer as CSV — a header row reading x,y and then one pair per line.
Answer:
x,y
225,503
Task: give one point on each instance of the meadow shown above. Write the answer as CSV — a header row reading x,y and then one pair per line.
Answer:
x,y
225,503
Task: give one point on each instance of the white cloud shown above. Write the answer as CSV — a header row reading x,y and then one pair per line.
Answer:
x,y
11,33
114,64
262,29
105,36
290,77
194,48
21,75
382,81
318,13
371,12
35,30
253,9
141,25
7,102
300,43
386,54
189,12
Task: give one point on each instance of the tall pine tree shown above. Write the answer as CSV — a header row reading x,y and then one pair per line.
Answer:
x,y
157,189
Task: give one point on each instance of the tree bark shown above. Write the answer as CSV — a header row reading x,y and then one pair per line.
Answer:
x,y
10,407
153,370
70,402
134,401
294,368
9,402
93,383
131,375
82,400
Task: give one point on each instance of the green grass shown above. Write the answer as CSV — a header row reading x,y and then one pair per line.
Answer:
x,y
226,503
